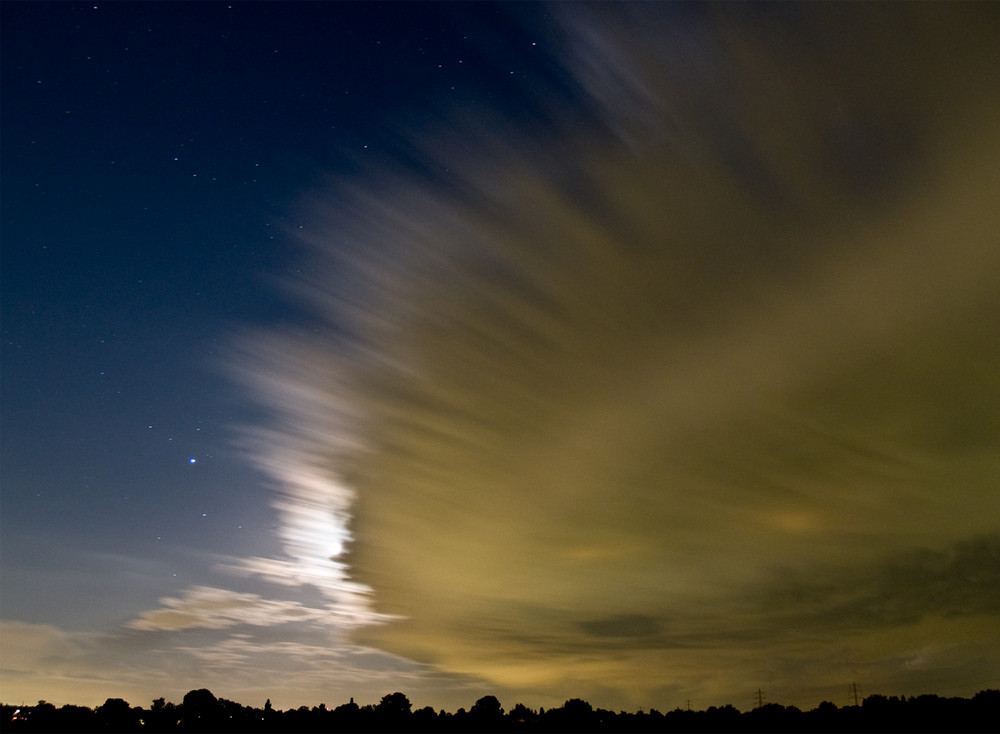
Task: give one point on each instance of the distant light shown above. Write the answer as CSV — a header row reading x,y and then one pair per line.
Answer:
x,y
192,460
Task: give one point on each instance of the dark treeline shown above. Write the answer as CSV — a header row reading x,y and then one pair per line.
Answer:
x,y
202,711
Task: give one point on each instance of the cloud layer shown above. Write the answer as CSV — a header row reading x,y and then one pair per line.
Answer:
x,y
692,384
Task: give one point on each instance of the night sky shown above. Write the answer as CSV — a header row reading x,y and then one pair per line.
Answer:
x,y
638,353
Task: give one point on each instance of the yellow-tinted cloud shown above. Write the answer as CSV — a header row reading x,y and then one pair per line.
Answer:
x,y
575,407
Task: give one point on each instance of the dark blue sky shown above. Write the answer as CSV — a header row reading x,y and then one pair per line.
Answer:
x,y
635,352
153,157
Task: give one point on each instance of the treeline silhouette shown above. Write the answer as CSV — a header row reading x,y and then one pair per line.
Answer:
x,y
201,711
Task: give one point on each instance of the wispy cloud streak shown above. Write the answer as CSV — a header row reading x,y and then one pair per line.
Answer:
x,y
208,608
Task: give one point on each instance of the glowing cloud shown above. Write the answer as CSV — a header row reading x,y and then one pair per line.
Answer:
x,y
575,406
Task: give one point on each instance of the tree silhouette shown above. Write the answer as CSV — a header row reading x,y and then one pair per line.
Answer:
x,y
486,714
116,715
162,716
201,710
393,711
394,704
574,715
521,714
